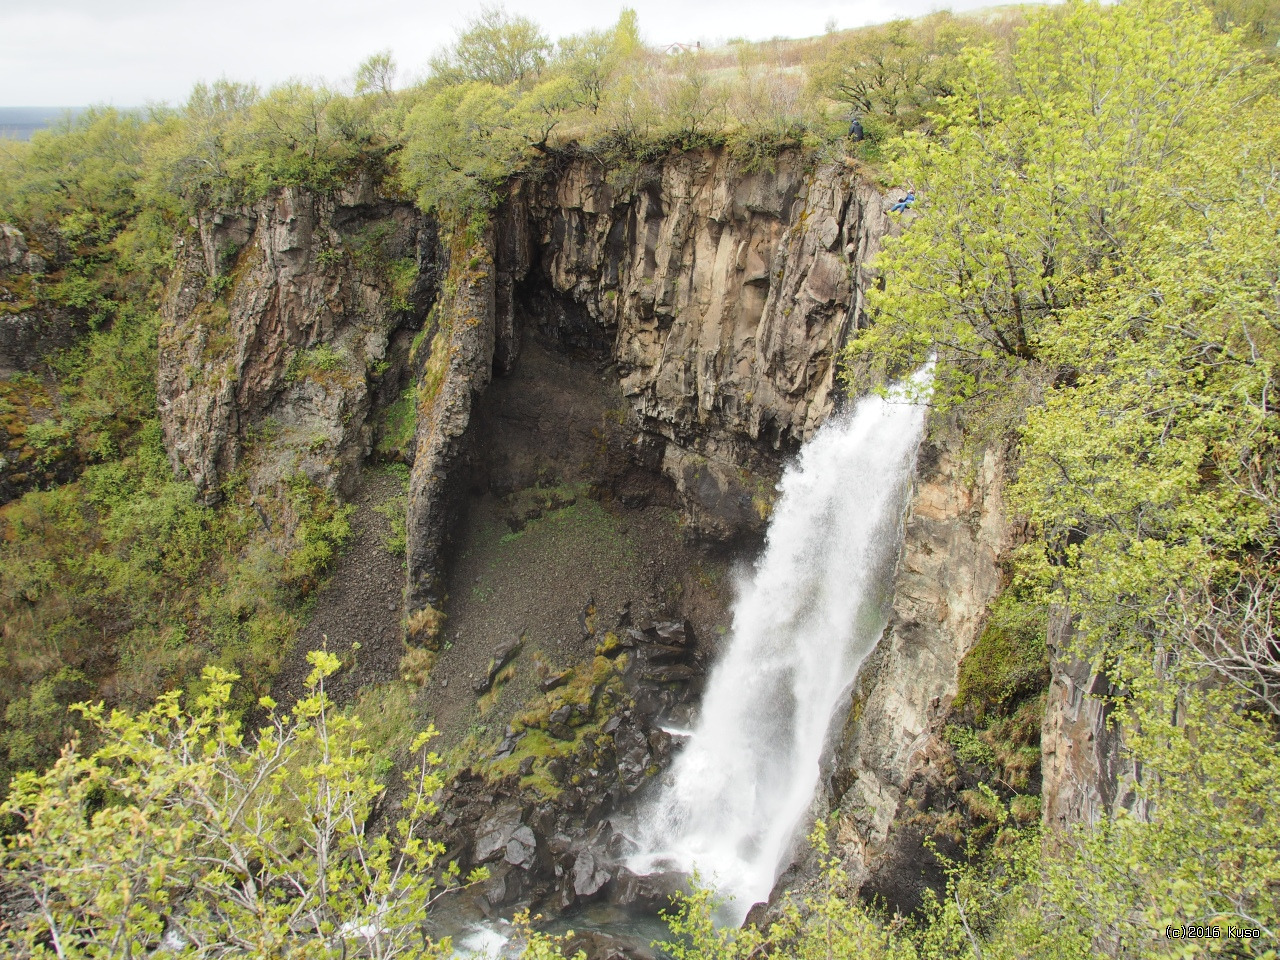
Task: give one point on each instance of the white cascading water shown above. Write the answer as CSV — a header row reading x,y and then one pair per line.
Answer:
x,y
802,624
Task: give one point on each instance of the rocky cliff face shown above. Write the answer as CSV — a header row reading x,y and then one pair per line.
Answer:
x,y
453,365
890,760
31,333
282,325
723,298
719,298
1085,774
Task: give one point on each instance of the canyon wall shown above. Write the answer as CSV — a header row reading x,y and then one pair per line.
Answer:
x,y
891,760
285,323
719,297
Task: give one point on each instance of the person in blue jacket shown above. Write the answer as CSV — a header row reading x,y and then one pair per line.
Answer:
x,y
905,204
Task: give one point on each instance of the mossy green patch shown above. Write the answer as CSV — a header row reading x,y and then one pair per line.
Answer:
x,y
387,717
323,364
396,512
593,694
433,372
399,422
1010,658
17,293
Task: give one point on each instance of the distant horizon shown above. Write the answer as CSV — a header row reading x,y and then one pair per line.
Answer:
x,y
19,123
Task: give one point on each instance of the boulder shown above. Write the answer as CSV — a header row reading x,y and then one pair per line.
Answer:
x,y
651,892
521,848
15,254
673,633
556,680
497,831
501,657
590,874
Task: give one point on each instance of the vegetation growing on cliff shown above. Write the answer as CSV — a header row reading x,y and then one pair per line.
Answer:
x,y
181,833
1092,261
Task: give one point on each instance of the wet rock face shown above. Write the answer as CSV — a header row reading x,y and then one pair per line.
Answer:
x,y
890,757
283,324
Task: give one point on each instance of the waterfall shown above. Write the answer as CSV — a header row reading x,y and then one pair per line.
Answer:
x,y
803,622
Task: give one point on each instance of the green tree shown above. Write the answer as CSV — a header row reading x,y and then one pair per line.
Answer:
x,y
898,70
1041,176
592,60
180,825
1257,20
377,74
495,48
459,144
193,158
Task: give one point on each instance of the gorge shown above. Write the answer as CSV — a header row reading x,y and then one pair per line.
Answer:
x,y
810,498
633,352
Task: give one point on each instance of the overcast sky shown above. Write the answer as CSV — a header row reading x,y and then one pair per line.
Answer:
x,y
130,52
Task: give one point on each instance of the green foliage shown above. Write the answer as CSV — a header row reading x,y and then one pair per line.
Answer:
x,y
87,560
402,274
460,143
825,921
1020,215
1010,658
1258,21
180,824
312,364
396,512
1110,888
1049,269
34,721
898,71
399,423
323,527
1089,263
1209,777
370,247
377,74
495,49
230,144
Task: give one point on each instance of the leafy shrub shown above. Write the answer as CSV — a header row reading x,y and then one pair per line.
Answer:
x,y
308,364
395,510
399,423
123,845
323,526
